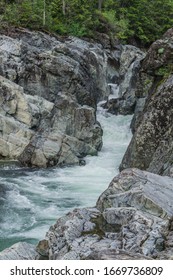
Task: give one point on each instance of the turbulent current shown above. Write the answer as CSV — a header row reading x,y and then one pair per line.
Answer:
x,y
32,200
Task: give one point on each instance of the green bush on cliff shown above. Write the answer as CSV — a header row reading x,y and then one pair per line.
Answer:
x,y
164,71
141,20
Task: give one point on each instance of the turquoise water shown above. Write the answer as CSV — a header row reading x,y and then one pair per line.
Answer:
x,y
32,200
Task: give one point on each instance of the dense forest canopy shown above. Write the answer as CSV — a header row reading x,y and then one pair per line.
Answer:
x,y
140,20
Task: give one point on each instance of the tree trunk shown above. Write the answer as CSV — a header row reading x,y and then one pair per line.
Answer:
x,y
44,13
63,7
100,2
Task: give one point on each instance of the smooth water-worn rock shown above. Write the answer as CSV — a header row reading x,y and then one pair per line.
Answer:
x,y
19,251
134,214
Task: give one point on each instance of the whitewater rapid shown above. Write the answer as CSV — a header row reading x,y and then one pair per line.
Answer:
x,y
32,200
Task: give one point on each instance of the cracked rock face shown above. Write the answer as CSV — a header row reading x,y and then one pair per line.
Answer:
x,y
41,133
49,90
151,147
129,65
133,219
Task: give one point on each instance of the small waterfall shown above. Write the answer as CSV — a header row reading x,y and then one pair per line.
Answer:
x,y
114,91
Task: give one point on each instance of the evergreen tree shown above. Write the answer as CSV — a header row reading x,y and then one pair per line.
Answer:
x,y
142,20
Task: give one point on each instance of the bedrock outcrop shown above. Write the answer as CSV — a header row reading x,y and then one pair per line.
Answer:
x,y
49,88
42,133
19,251
132,218
151,147
124,100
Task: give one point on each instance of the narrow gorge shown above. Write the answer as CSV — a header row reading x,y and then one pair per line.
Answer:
x,y
67,106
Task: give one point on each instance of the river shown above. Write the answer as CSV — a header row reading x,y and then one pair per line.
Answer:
x,y
31,200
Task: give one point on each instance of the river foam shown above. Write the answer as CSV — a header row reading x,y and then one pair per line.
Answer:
x,y
32,200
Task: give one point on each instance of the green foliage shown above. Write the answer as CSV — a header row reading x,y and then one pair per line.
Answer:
x,y
140,20
143,20
25,13
78,20
164,71
124,31
148,19
110,16
76,29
